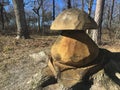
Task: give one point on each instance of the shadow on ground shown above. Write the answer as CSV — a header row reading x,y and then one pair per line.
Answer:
x,y
105,75
110,65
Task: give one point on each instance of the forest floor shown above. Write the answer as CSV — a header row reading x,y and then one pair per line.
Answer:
x,y
16,65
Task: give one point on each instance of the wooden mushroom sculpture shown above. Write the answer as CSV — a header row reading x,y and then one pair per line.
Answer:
x,y
73,53
74,47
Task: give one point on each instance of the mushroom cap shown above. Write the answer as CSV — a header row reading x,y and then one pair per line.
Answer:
x,y
73,19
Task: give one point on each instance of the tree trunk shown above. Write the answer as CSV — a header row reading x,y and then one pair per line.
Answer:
x,y
38,22
111,13
22,30
90,3
2,17
90,6
69,4
42,23
96,33
53,9
82,5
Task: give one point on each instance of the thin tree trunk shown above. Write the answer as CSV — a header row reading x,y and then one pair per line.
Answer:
x,y
96,33
22,29
90,6
90,3
2,17
110,18
69,4
37,10
82,5
42,23
111,13
38,23
53,9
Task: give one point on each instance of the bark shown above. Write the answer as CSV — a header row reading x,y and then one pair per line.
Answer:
x,y
53,9
96,33
22,30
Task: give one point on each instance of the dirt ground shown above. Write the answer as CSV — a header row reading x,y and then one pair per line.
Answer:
x,y
14,59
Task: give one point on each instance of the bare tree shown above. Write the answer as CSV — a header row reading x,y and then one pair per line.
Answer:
x,y
111,13
96,34
22,29
109,16
36,9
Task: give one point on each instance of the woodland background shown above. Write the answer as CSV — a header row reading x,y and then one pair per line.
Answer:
x,y
39,15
